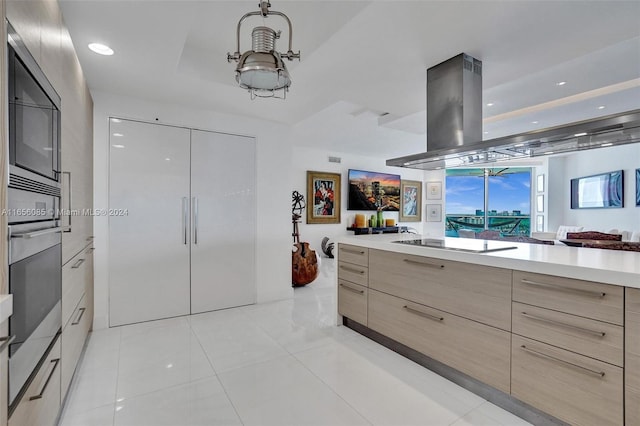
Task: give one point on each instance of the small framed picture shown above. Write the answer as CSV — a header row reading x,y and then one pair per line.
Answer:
x,y
434,212
410,201
540,183
539,223
434,190
323,197
540,203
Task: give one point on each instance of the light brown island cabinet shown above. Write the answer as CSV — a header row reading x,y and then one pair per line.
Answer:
x,y
632,358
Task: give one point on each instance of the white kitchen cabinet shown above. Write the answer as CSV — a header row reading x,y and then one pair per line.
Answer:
x,y
182,224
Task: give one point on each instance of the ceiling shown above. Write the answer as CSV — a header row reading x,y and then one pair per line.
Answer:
x,y
363,67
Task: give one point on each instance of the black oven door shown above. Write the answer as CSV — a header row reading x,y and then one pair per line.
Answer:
x,y
35,281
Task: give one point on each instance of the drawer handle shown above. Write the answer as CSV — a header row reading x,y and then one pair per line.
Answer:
x,y
351,289
561,361
428,265
562,324
423,314
77,264
355,271
6,341
346,250
598,294
55,363
77,321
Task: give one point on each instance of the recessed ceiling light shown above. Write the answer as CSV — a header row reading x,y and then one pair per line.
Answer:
x,y
490,104
101,49
577,135
118,146
561,83
548,153
601,107
534,122
118,135
518,145
607,144
167,159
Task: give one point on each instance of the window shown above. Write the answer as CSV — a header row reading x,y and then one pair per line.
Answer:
x,y
496,199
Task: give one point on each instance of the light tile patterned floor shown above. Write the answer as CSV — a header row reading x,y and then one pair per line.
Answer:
x,y
282,363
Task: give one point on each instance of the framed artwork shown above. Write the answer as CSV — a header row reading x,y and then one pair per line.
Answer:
x,y
540,203
539,223
637,187
434,212
434,190
540,183
373,191
410,201
323,197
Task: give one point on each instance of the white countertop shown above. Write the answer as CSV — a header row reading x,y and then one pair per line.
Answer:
x,y
591,264
6,307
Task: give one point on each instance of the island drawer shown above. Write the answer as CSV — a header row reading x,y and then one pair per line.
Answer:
x,y
353,273
352,301
574,388
585,336
632,358
475,349
480,293
353,254
602,302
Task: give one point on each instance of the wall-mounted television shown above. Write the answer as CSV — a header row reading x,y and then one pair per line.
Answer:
x,y
373,190
598,191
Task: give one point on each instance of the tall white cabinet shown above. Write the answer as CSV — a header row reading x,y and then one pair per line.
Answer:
x,y
182,221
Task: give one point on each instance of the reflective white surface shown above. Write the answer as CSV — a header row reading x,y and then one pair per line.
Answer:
x,y
280,363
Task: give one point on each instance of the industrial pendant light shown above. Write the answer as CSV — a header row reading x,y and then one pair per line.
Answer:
x,y
261,70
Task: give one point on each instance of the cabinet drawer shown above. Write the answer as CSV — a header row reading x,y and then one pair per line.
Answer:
x,y
632,406
73,284
40,404
571,387
352,301
585,336
475,349
476,292
602,302
73,338
353,254
89,285
353,273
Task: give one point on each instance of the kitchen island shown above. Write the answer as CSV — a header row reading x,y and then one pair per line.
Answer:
x,y
536,329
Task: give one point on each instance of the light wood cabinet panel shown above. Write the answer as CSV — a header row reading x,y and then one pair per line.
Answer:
x,y
583,298
585,336
476,292
40,404
632,357
353,273
353,254
475,349
4,377
574,388
352,301
74,283
73,338
88,292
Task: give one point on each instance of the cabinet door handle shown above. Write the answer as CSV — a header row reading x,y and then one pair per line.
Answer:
x,y
68,227
77,321
55,363
78,263
427,264
6,341
565,325
346,250
423,314
561,361
346,287
591,293
355,271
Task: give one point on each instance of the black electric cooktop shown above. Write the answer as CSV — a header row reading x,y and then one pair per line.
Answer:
x,y
478,246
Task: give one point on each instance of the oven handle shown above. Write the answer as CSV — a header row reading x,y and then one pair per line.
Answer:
x,y
6,341
41,232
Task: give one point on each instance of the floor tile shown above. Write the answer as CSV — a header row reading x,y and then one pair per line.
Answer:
x,y
101,416
203,402
282,392
91,390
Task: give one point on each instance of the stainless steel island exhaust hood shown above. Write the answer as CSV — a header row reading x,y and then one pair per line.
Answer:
x,y
454,126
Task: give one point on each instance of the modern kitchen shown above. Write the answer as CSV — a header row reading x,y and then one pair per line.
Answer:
x,y
462,180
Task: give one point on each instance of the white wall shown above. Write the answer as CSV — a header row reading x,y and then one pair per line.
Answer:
x,y
627,158
310,159
273,187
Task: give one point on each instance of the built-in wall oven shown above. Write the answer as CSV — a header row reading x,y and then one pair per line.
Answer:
x,y
33,210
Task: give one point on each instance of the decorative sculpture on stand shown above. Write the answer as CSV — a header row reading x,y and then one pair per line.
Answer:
x,y
304,262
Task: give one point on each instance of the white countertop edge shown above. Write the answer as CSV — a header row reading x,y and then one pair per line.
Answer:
x,y
606,266
6,307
